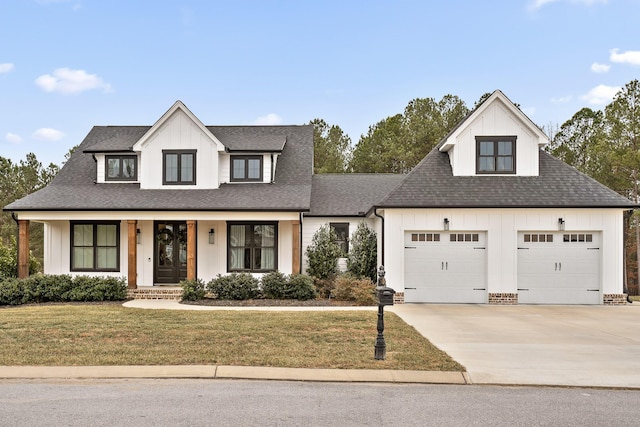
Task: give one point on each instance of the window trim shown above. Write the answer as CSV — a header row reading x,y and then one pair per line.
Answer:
x,y
120,158
94,225
495,156
179,153
246,159
338,240
229,247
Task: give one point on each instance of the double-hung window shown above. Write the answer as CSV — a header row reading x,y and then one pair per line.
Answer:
x,y
341,230
121,168
252,246
246,168
95,246
496,154
179,167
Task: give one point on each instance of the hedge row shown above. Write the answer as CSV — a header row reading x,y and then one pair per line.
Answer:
x,y
275,285
61,288
242,286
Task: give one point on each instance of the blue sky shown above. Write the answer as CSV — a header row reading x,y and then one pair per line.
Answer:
x,y
67,65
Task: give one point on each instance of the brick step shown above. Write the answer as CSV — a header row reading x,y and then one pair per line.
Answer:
x,y
155,293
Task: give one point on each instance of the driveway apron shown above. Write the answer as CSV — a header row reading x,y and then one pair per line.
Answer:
x,y
530,344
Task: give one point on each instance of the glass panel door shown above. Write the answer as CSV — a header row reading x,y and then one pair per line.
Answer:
x,y
170,252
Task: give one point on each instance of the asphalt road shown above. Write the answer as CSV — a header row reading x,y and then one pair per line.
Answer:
x,y
278,403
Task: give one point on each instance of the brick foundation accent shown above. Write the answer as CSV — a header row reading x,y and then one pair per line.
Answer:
x,y
614,299
503,299
398,298
167,294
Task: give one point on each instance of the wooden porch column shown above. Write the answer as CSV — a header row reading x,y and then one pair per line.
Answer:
x,y
191,249
132,262
295,244
23,249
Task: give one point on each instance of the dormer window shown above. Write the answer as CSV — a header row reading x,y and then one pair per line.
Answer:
x,y
121,168
246,168
179,167
496,154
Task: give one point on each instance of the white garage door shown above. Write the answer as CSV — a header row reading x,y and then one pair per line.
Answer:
x,y
559,268
445,267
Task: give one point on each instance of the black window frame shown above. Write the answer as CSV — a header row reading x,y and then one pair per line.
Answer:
x,y
179,153
495,156
252,247
343,243
246,159
95,246
120,158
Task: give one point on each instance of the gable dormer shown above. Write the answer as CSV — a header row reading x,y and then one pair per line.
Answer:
x,y
495,139
178,152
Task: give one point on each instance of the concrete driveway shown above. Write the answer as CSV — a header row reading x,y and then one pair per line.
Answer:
x,y
530,344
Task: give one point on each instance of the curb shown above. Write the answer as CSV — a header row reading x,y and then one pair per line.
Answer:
x,y
233,372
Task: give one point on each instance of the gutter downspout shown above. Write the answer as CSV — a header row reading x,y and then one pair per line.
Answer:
x,y
15,218
301,216
375,212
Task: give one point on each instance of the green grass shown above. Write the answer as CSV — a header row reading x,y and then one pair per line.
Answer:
x,y
69,335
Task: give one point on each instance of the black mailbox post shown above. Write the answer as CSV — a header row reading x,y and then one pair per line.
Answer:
x,y
384,296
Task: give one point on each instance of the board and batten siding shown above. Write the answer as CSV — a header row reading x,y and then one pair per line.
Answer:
x,y
502,227
496,120
179,132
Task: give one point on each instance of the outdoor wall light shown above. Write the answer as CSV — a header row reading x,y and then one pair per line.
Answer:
x,y
138,236
446,224
560,224
212,236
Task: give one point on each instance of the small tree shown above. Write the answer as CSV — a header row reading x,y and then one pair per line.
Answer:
x,y
323,253
363,256
9,260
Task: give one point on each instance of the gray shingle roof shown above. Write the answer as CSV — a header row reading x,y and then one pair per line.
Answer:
x,y
104,139
237,138
349,194
432,184
74,187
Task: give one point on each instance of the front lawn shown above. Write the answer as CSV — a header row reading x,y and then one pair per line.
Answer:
x,y
113,335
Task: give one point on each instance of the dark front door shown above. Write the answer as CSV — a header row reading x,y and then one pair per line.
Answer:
x,y
170,265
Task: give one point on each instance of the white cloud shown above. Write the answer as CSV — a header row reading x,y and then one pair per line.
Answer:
x,y
269,119
601,94
48,134
600,68
69,81
13,138
561,100
629,57
537,4
5,68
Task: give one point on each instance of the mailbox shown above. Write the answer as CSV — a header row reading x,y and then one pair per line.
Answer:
x,y
384,295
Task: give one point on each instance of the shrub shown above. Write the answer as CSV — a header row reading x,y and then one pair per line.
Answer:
x,y
273,285
358,290
235,286
11,291
9,260
323,253
61,288
192,290
324,287
300,287
363,258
